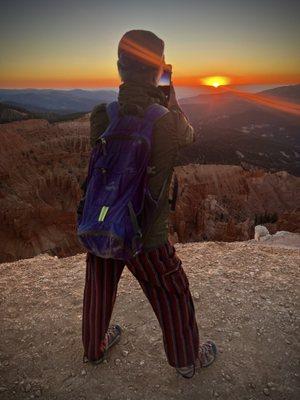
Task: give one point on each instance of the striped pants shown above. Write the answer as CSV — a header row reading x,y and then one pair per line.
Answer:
x,y
165,284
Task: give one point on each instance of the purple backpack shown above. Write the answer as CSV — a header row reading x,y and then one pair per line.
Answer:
x,y
111,224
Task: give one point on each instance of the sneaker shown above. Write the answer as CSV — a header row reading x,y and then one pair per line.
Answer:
x,y
112,337
207,355
187,372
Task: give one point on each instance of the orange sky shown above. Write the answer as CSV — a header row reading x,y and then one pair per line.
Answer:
x,y
69,44
185,81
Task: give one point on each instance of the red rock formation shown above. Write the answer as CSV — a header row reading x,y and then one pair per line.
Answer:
x,y
42,166
220,202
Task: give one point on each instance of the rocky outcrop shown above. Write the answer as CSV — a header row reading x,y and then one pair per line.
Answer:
x,y
42,166
222,202
9,115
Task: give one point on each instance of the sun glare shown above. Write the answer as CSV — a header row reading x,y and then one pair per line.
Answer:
x,y
215,81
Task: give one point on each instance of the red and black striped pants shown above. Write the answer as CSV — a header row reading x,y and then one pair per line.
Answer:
x,y
164,282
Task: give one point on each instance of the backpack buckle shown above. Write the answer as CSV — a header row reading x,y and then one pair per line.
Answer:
x,y
103,146
102,142
151,169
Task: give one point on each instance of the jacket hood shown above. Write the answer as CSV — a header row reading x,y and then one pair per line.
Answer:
x,y
135,97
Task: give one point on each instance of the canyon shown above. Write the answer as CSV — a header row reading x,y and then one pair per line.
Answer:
x,y
225,202
42,166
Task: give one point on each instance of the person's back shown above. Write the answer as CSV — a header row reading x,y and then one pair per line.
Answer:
x,y
171,132
157,267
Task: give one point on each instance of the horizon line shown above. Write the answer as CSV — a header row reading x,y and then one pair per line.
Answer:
x,y
112,88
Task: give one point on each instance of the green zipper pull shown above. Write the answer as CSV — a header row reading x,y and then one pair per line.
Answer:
x,y
103,213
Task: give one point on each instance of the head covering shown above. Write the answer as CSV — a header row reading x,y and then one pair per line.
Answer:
x,y
140,49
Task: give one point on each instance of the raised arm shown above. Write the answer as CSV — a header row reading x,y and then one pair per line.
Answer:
x,y
185,133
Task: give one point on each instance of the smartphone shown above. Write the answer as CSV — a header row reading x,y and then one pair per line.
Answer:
x,y
165,80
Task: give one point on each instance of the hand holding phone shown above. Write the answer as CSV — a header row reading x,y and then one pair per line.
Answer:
x,y
165,80
172,98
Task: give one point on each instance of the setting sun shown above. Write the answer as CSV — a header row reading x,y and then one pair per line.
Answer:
x,y
215,81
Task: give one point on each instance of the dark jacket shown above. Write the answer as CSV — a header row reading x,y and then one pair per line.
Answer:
x,y
171,132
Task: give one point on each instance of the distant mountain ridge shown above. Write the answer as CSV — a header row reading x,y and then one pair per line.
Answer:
x,y
229,129
58,101
10,112
289,92
80,100
234,130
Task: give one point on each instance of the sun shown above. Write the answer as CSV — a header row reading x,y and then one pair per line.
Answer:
x,y
215,81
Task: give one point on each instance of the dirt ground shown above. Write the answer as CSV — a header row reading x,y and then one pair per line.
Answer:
x,y
245,296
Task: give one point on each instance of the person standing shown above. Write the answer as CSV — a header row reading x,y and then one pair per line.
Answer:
x,y
157,267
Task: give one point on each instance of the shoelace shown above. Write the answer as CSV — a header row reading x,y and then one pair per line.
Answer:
x,y
205,353
109,336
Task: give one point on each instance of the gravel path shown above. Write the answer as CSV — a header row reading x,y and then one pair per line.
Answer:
x,y
245,296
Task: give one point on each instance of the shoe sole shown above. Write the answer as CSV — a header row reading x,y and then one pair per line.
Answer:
x,y
116,340
215,350
186,376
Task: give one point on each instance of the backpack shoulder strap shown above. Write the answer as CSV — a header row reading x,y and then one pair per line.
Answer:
x,y
154,112
112,110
